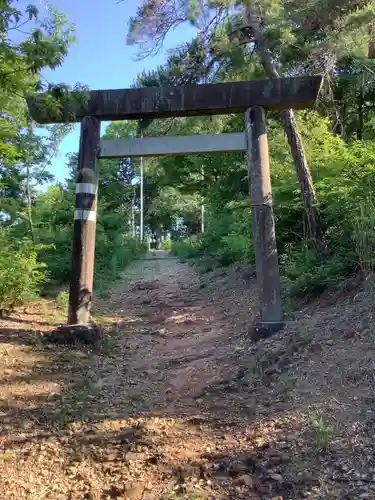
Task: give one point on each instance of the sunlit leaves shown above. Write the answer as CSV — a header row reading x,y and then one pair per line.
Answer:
x,y
27,46
20,64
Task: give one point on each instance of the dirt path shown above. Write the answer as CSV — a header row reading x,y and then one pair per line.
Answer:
x,y
100,425
178,404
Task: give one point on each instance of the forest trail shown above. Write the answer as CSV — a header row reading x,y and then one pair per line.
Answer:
x,y
178,403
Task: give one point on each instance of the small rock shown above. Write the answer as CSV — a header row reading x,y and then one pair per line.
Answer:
x,y
180,487
236,468
263,489
244,480
307,479
110,457
276,477
127,435
248,273
135,492
241,372
276,459
130,456
221,478
189,470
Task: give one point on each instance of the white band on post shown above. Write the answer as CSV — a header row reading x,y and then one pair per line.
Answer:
x,y
80,214
86,187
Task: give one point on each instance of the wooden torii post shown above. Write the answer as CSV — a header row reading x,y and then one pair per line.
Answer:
x,y
249,97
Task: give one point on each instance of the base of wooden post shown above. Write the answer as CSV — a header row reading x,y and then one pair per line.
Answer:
x,y
88,335
260,330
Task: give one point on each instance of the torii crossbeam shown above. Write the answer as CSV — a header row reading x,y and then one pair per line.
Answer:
x,y
188,100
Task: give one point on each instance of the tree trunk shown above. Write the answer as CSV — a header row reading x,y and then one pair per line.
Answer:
x,y
158,238
360,116
314,223
29,205
315,229
132,214
202,206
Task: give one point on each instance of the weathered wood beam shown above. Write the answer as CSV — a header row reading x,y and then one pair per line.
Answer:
x,y
263,224
173,145
190,100
84,229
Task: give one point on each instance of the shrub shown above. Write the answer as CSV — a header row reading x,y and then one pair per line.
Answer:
x,y
56,252
114,249
167,245
364,236
344,182
305,273
226,240
62,301
21,275
113,253
188,248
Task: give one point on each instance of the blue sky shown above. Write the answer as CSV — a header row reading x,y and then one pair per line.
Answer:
x,y
100,58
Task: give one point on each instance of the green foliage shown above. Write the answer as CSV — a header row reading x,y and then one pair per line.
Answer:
x,y
227,238
169,205
30,44
48,218
167,245
114,249
62,301
337,139
322,430
21,275
364,236
44,45
306,274
185,249
324,37
344,176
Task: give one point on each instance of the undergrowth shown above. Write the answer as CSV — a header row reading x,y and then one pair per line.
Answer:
x,y
344,184
26,268
21,275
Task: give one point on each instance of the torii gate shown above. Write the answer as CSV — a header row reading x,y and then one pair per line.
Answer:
x,y
250,97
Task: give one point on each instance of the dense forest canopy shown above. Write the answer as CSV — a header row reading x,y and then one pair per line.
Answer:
x,y
322,160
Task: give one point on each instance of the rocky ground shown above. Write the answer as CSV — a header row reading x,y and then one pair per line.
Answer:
x,y
177,402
